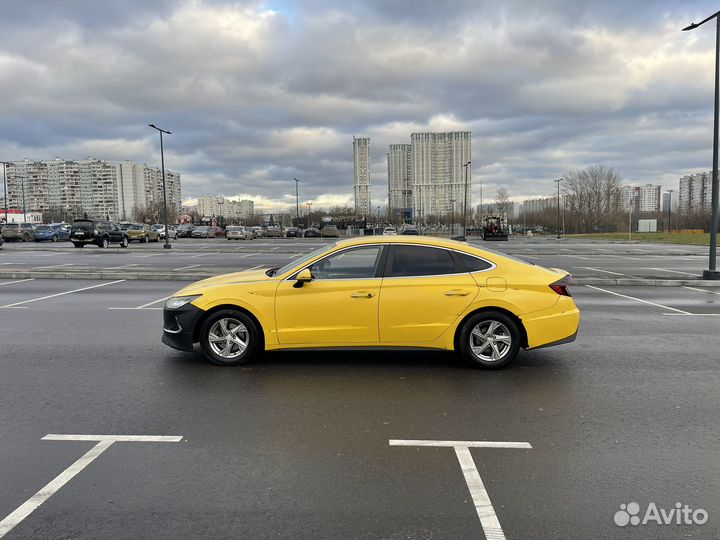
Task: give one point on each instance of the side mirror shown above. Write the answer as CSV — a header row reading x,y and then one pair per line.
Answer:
x,y
304,276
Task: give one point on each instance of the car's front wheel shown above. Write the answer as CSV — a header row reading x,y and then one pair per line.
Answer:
x,y
124,242
104,243
229,338
490,339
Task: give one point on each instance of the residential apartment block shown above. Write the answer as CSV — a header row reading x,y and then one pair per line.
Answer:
x,y
695,193
400,180
642,199
361,175
90,186
217,205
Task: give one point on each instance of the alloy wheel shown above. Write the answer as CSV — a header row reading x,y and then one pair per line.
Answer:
x,y
490,341
228,338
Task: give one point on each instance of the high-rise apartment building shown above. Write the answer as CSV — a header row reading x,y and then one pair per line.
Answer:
x,y
642,199
362,182
217,205
695,193
438,174
89,186
400,180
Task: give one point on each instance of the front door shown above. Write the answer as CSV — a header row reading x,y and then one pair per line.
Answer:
x,y
339,306
425,290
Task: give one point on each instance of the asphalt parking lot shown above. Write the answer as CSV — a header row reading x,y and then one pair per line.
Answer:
x,y
583,258
298,445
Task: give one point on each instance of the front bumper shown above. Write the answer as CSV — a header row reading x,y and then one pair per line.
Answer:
x,y
179,326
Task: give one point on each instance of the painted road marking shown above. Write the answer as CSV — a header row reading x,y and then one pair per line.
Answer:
x,y
673,271
119,267
18,281
691,288
61,294
144,306
640,300
600,270
103,443
483,506
54,266
186,267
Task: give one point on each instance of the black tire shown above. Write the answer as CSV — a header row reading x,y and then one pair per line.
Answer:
x,y
78,244
124,242
251,335
144,240
506,329
54,238
104,243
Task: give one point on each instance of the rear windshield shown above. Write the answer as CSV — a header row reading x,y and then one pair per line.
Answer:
x,y
12,226
135,227
83,225
234,229
42,228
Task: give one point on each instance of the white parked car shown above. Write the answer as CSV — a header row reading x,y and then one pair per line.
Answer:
x,y
161,231
389,231
238,232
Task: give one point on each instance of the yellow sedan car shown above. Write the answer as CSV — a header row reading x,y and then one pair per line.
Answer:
x,y
381,292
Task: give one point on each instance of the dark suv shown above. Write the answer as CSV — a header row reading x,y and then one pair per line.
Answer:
x,y
100,233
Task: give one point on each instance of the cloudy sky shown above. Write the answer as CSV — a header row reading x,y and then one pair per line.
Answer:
x,y
259,92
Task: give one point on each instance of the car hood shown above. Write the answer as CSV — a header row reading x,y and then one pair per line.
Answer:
x,y
225,279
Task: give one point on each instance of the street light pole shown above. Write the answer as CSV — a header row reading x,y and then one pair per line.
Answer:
x,y
4,164
464,234
558,206
712,272
297,202
452,217
670,192
162,163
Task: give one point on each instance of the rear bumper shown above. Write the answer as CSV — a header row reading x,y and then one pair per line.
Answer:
x,y
554,326
179,327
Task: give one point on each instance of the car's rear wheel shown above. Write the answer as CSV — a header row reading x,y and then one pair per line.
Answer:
x,y
490,339
54,238
124,242
145,239
229,338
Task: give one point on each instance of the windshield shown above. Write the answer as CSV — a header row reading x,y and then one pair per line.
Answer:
x,y
299,261
42,228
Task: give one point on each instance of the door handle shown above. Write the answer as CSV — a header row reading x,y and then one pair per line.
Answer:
x,y
457,293
363,294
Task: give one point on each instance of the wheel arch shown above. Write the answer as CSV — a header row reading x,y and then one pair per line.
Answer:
x,y
214,309
485,309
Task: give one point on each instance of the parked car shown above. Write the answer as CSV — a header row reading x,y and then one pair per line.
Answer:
x,y
185,230
124,225
259,232
389,231
203,231
18,231
292,232
142,233
273,231
481,303
330,231
100,233
410,230
173,232
311,232
54,232
238,232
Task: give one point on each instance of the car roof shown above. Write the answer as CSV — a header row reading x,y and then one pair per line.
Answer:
x,y
427,240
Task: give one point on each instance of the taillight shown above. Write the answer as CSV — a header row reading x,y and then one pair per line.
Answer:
x,y
561,286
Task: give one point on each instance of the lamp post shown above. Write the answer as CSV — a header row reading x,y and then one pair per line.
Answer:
x,y
558,206
464,234
297,202
162,162
712,272
632,203
670,192
452,217
4,164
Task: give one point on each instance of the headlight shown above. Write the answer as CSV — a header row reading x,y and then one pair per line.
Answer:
x,y
177,302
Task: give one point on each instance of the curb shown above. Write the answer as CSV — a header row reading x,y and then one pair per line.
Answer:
x,y
194,276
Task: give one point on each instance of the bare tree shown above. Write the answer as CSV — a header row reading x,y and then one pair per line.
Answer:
x,y
592,197
503,200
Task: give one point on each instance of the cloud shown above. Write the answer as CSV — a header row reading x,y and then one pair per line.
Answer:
x,y
259,92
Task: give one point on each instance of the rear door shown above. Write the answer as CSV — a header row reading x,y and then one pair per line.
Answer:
x,y
424,290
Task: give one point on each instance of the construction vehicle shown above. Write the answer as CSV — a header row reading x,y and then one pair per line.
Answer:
x,y
494,228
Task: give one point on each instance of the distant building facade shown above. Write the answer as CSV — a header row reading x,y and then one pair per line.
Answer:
x,y
695,193
642,199
90,186
217,205
361,175
400,197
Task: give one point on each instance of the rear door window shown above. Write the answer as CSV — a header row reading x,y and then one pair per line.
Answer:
x,y
408,261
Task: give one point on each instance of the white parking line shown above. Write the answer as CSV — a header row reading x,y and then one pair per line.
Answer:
x,y
61,294
54,266
254,267
18,281
600,270
674,271
691,288
186,267
640,300
103,443
119,267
